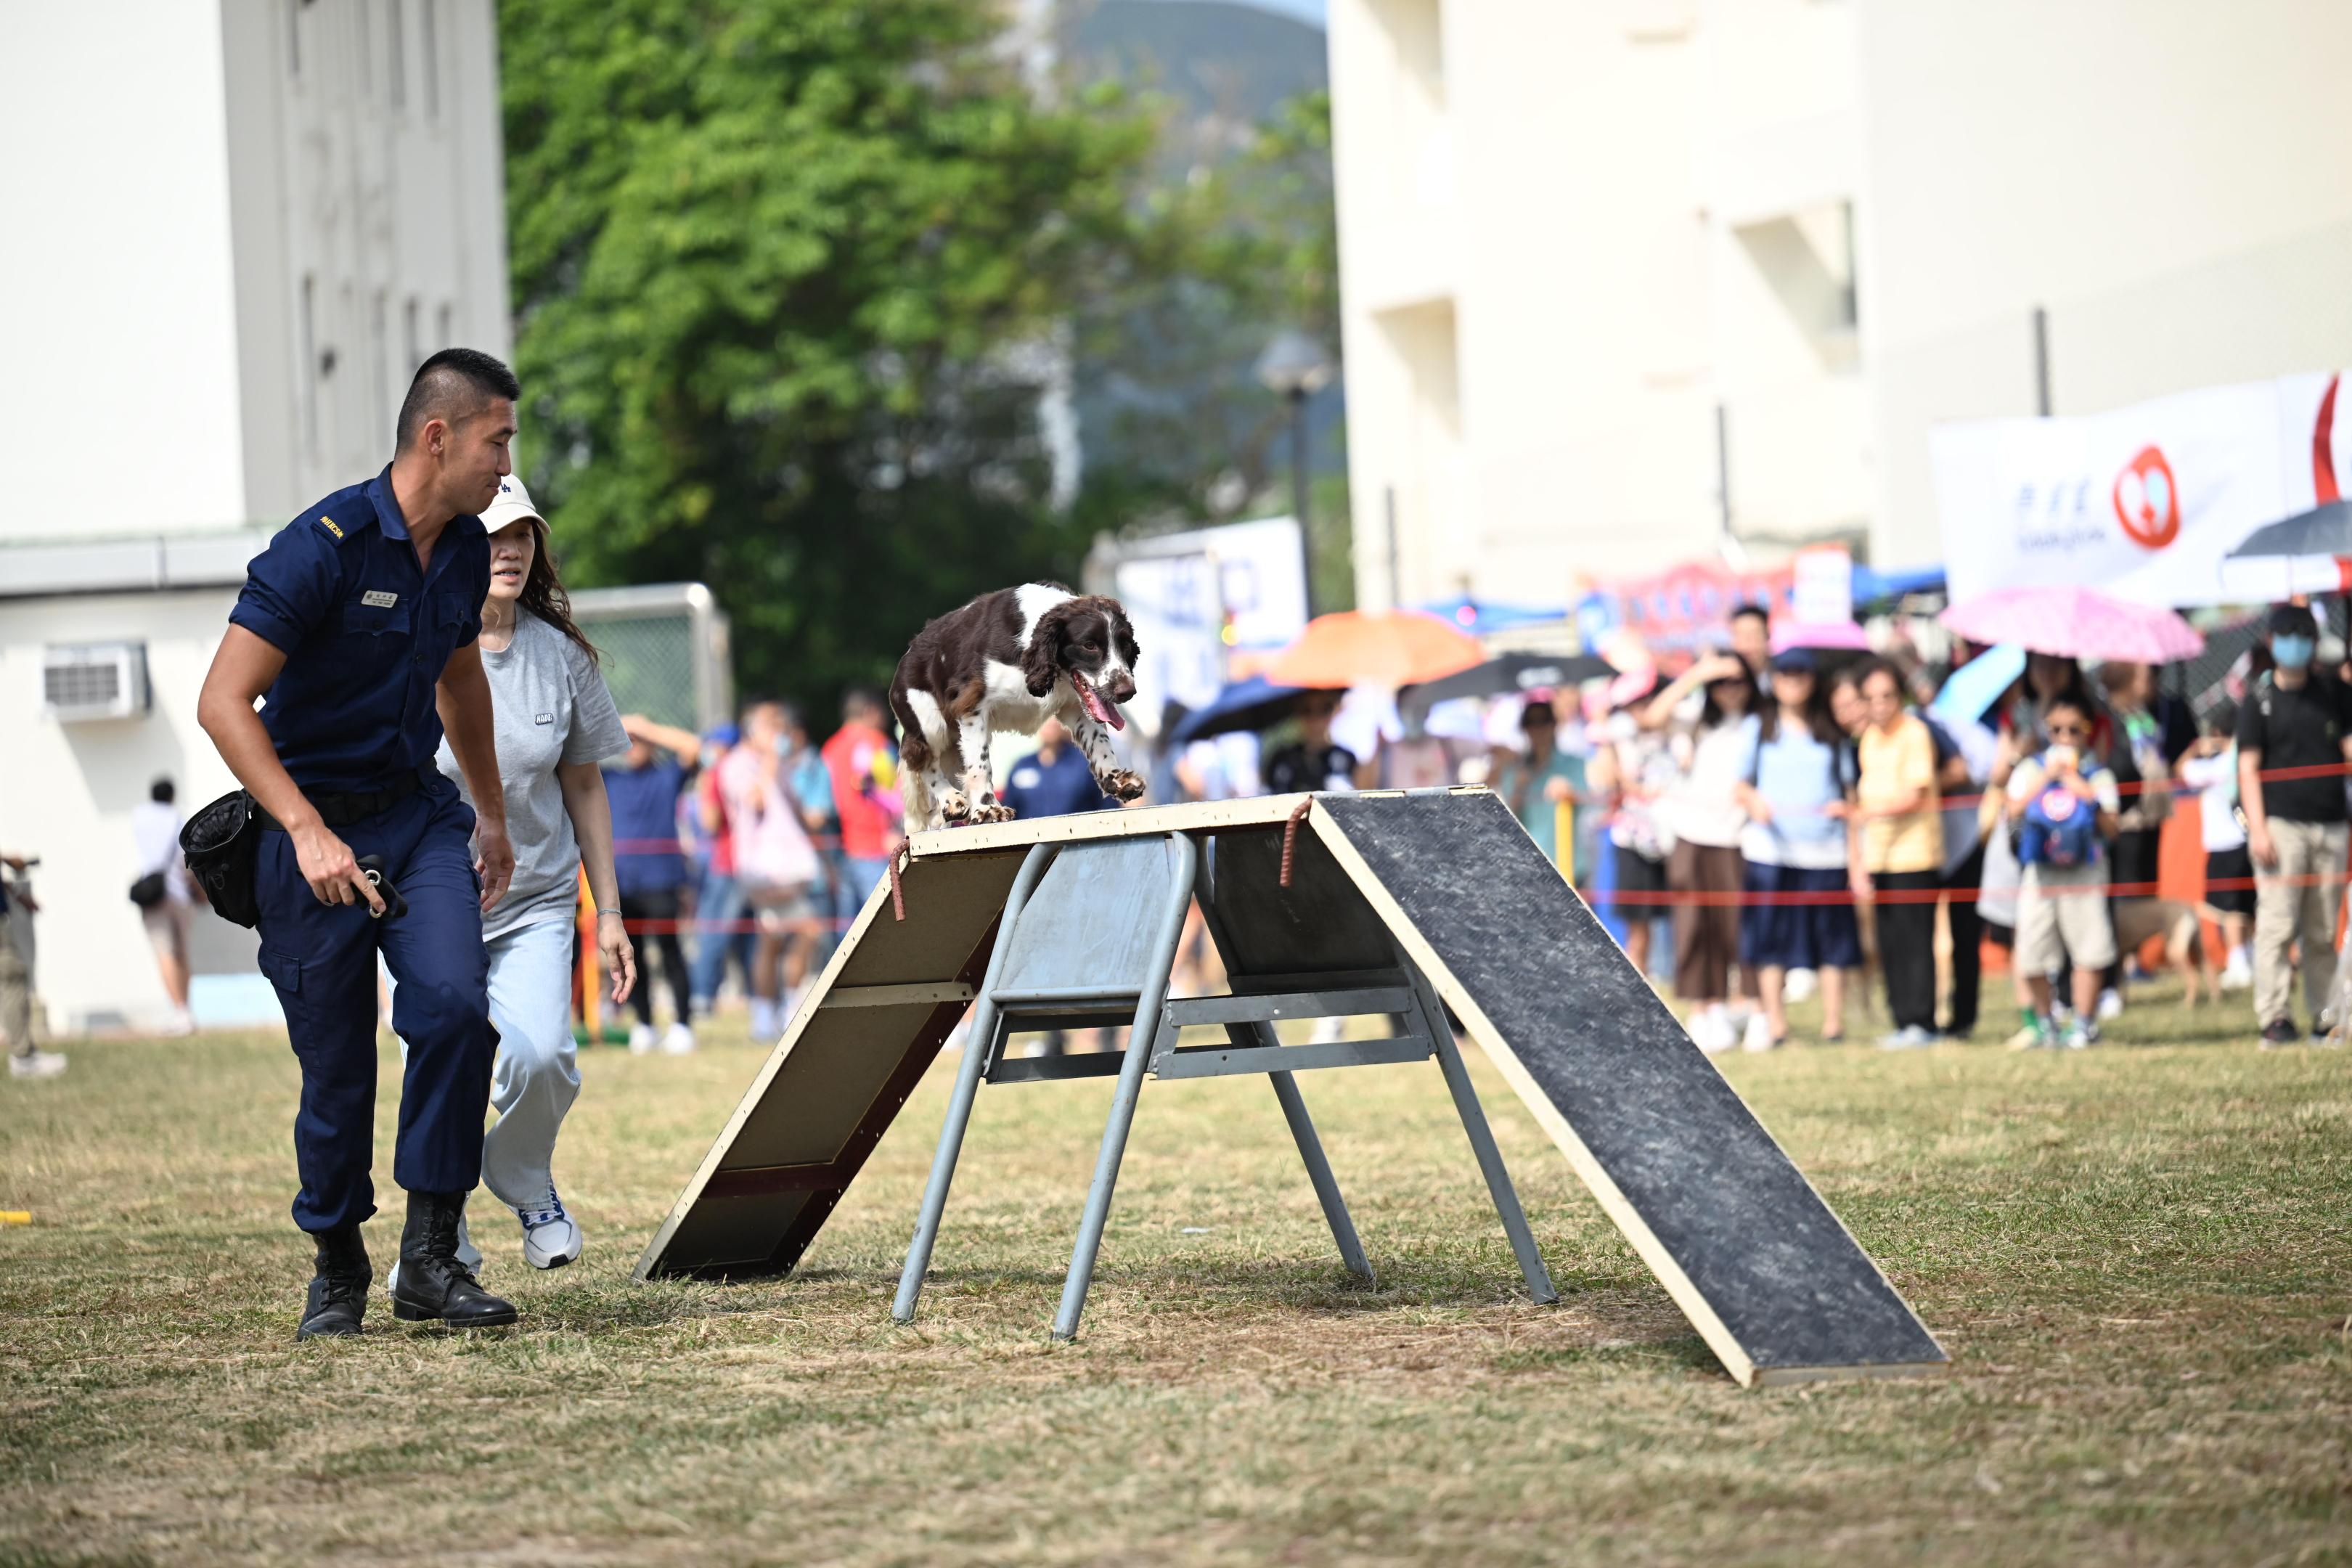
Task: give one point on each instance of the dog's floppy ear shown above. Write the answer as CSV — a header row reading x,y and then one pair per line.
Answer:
x,y
1124,634
1041,661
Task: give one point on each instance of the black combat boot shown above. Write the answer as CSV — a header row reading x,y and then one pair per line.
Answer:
x,y
434,1286
339,1292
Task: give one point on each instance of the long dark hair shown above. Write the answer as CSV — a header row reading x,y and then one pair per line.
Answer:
x,y
1819,720
542,591
1711,712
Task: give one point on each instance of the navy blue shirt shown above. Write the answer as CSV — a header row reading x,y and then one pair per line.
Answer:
x,y
365,635
644,811
1038,788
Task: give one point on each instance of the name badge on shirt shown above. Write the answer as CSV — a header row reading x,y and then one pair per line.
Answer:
x,y
379,599
542,718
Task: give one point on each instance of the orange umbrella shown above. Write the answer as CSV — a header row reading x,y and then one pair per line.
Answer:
x,y
1374,648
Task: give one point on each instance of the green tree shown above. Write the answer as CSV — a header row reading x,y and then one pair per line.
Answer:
x,y
781,273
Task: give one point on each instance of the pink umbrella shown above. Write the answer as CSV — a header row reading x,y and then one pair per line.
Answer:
x,y
2076,623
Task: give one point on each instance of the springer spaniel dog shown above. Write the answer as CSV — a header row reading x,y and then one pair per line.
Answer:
x,y
1010,660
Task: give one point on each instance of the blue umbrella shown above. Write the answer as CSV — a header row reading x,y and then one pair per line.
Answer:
x,y
1479,616
1975,685
1251,704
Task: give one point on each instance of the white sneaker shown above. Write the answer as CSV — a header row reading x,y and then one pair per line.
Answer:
x,y
181,1024
765,1024
677,1040
1801,984
1758,1035
641,1038
1711,1031
2111,1005
1910,1037
1329,1031
2238,974
550,1237
37,1064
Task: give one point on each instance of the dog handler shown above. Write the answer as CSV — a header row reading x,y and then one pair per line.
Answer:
x,y
555,725
358,626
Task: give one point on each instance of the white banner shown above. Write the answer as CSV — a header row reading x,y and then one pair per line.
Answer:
x,y
2141,502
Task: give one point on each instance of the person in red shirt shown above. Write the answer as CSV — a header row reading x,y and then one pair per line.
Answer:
x,y
864,766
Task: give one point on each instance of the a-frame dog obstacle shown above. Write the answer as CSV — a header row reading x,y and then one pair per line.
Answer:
x,y
1411,905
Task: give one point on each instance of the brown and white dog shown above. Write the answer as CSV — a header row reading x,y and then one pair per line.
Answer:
x,y
1009,660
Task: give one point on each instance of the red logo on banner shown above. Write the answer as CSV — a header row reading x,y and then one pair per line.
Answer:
x,y
2148,503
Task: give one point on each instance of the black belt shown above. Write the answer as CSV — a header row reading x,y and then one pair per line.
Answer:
x,y
341,810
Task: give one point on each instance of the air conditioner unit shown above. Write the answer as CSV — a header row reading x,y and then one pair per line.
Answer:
x,y
94,680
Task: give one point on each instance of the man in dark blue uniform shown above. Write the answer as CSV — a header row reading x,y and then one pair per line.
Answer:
x,y
357,626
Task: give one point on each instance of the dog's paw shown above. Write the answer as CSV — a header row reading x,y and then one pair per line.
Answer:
x,y
1123,785
953,807
995,811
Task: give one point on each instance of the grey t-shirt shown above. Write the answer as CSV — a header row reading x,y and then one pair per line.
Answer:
x,y
551,707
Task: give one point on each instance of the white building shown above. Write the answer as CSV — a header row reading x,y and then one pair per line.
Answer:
x,y
237,226
1622,276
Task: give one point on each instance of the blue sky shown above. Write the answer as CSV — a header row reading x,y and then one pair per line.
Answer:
x,y
1305,10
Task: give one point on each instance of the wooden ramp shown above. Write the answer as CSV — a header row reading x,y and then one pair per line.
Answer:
x,y
1444,880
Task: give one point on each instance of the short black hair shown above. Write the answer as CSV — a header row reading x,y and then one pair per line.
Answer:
x,y
161,792
1752,608
452,386
862,696
2074,697
2292,619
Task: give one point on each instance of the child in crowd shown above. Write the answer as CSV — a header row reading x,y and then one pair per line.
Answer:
x,y
2210,770
2062,806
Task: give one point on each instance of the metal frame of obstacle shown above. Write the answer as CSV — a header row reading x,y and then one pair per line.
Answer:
x,y
1050,982
1440,887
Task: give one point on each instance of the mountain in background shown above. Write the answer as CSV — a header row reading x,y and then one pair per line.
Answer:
x,y
1228,67
1174,427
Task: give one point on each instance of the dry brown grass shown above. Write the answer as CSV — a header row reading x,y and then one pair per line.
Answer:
x,y
2137,1257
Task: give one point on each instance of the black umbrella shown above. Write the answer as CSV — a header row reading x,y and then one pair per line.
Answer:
x,y
1255,704
2322,531
1510,674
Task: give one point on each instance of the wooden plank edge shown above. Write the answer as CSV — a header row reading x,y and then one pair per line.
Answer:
x,y
1782,1376
1190,816
649,1261
1589,1170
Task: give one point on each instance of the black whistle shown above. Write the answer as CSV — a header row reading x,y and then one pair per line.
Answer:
x,y
395,906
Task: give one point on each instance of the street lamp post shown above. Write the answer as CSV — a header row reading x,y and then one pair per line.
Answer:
x,y
1294,367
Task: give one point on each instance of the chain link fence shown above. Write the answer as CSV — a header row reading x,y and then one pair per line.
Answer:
x,y
666,651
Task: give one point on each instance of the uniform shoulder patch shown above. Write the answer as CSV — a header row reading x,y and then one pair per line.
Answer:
x,y
330,524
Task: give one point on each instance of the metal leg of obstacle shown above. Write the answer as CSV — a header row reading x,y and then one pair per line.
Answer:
x,y
1141,1038
1482,1143
978,1046
1286,1092
1319,1169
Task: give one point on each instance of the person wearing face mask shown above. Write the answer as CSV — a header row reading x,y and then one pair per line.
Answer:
x,y
2296,719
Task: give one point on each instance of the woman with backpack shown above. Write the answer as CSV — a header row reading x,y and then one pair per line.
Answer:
x,y
1795,848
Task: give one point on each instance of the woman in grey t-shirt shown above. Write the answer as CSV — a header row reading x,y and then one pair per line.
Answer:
x,y
556,722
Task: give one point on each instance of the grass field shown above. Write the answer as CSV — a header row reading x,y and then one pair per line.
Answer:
x,y
2137,1257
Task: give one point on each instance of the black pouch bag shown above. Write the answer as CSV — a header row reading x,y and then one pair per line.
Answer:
x,y
219,843
148,890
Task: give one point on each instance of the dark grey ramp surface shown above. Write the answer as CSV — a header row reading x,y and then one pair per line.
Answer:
x,y
1734,1231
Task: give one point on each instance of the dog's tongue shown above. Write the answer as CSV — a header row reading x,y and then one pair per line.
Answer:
x,y
1102,712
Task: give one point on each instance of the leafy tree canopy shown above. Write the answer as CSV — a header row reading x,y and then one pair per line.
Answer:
x,y
785,273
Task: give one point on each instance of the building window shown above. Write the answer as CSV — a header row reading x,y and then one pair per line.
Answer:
x,y
396,63
408,325
430,50
310,349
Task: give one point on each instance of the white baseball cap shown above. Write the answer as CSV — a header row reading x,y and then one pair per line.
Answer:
x,y
512,506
